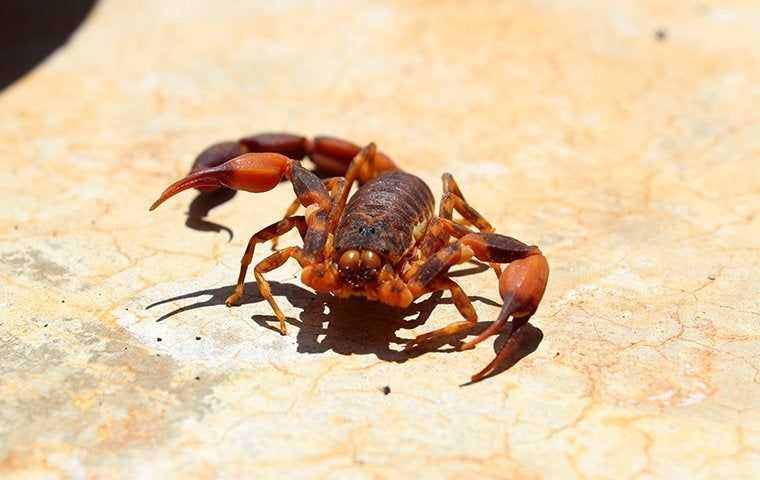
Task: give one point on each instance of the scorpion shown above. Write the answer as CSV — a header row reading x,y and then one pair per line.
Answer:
x,y
384,243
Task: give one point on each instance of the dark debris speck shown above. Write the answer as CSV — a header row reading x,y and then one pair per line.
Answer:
x,y
197,378
159,339
197,338
660,35
386,390
45,326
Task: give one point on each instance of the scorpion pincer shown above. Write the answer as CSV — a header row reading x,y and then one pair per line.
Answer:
x,y
384,243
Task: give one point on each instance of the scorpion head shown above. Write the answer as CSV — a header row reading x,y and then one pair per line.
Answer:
x,y
359,267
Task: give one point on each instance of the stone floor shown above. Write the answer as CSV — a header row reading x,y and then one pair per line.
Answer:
x,y
621,137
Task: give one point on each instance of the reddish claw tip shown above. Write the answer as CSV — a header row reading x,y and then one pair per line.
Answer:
x,y
522,287
252,172
523,341
202,180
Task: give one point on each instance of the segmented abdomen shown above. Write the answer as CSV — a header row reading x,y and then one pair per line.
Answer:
x,y
385,214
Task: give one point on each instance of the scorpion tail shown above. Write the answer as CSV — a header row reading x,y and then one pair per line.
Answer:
x,y
252,172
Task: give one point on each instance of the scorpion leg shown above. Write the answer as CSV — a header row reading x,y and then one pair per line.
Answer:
x,y
363,168
437,236
463,304
454,200
267,265
269,233
334,156
521,285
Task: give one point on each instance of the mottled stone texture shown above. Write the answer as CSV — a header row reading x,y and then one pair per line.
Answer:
x,y
630,156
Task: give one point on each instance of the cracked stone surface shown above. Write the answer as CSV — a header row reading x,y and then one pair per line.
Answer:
x,y
621,137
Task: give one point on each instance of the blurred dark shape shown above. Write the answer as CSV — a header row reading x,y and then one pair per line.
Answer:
x,y
30,30
202,205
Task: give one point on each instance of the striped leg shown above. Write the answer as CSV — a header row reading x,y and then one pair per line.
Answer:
x,y
268,233
334,156
267,265
364,160
454,200
464,306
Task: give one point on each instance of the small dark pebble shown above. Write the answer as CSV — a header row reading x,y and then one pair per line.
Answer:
x,y
556,355
711,277
46,325
158,354
159,339
197,378
125,348
63,301
660,35
386,390
197,338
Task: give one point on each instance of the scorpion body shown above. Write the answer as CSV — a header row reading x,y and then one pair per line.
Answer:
x,y
384,243
388,215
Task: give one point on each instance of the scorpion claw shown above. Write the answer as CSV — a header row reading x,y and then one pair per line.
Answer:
x,y
252,172
521,286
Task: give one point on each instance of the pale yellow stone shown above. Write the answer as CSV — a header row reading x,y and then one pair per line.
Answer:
x,y
632,162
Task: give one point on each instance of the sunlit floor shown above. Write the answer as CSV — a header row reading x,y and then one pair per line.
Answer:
x,y
621,137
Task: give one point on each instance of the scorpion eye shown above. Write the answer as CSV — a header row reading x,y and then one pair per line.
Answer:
x,y
371,260
349,260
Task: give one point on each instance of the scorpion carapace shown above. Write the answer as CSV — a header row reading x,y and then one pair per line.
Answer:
x,y
384,243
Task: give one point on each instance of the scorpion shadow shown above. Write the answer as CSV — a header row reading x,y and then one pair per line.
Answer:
x,y
357,327
202,204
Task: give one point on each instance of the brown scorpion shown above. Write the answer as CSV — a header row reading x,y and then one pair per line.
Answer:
x,y
383,243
